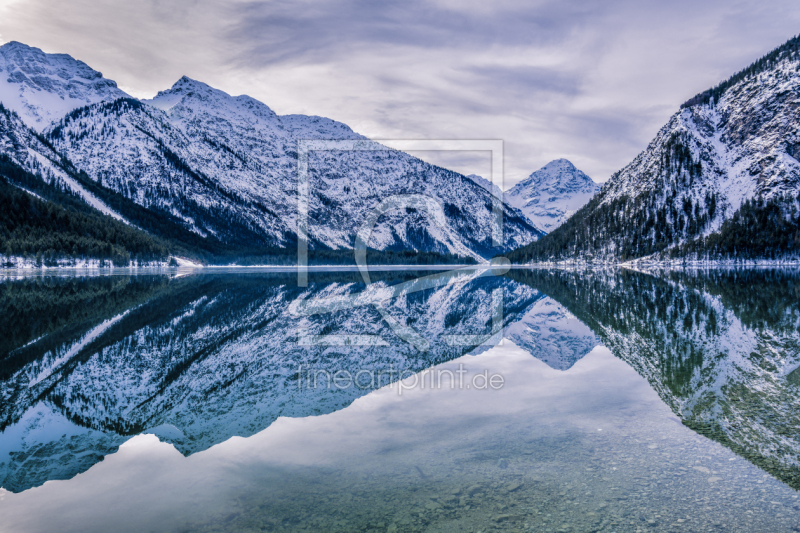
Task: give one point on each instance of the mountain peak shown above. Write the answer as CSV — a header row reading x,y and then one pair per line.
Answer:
x,y
11,45
190,93
552,194
44,87
188,83
560,173
560,163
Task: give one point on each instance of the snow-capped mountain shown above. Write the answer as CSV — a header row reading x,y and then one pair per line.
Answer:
x,y
724,148
552,194
226,167
42,88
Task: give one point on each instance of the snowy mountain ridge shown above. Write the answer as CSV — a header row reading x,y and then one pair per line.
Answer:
x,y
226,166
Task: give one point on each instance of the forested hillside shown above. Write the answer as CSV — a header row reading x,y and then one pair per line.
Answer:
x,y
45,231
719,181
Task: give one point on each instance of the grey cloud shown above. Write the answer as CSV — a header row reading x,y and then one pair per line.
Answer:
x,y
278,32
525,81
590,81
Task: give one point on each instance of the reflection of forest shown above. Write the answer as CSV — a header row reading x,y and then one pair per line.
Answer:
x,y
720,347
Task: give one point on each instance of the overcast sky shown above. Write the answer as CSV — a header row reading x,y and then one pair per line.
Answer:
x,y
589,81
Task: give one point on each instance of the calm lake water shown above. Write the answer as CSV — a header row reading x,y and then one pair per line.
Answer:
x,y
532,400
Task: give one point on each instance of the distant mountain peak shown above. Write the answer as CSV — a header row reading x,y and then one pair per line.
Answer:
x,y
561,173
552,194
560,163
187,83
186,86
196,94
44,87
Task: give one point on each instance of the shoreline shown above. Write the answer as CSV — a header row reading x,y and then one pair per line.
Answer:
x,y
273,268
185,270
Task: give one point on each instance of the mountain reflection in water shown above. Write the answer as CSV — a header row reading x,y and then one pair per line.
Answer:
x,y
86,363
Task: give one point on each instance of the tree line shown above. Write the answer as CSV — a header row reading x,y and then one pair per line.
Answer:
x,y
789,50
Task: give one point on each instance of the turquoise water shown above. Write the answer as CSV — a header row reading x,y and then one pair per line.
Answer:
x,y
625,402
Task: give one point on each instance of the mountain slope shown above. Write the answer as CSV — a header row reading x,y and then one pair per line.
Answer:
x,y
32,164
227,167
224,168
23,147
31,226
552,194
740,143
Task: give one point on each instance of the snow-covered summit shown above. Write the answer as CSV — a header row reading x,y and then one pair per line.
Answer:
x,y
552,194
192,96
42,87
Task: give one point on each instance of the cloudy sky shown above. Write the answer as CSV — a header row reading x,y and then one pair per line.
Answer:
x,y
588,81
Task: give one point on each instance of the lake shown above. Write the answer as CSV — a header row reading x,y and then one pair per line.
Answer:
x,y
470,400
